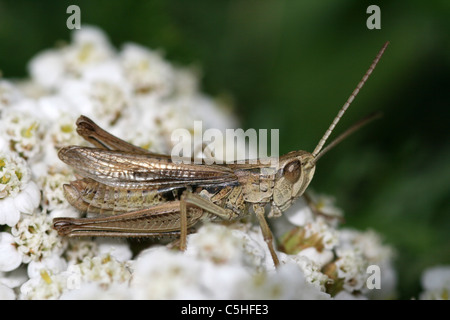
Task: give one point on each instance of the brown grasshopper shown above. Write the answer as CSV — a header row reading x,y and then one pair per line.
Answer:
x,y
137,193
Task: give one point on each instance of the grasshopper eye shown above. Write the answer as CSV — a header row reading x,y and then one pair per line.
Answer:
x,y
292,171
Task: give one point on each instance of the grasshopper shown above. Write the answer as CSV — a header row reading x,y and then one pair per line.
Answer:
x,y
137,193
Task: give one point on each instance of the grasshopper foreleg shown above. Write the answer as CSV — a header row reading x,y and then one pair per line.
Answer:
x,y
267,234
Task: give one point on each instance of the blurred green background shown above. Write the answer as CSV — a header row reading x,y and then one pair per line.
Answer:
x,y
291,65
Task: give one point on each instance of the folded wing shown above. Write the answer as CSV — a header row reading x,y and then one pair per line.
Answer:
x,y
138,171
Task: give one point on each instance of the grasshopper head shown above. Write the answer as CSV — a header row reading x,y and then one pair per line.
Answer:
x,y
295,171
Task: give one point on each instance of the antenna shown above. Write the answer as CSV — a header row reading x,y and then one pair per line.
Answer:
x,y
348,132
348,102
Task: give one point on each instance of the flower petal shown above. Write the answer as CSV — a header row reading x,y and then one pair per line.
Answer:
x,y
28,199
53,264
10,258
8,212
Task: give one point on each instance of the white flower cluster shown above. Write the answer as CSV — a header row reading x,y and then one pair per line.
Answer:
x,y
139,96
436,283
339,258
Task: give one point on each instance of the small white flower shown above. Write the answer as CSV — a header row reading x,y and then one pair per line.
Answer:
x,y
161,274
9,94
10,258
103,273
216,243
108,71
148,131
90,47
62,131
17,192
436,283
14,174
300,214
56,110
80,248
23,132
117,248
288,282
109,101
320,258
36,239
31,90
319,228
44,287
145,137
368,242
182,111
53,264
47,68
221,281
146,70
317,234
53,191
214,113
255,252
311,271
351,268
369,245
103,270
325,205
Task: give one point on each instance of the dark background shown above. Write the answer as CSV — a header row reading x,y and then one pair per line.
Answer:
x,y
291,65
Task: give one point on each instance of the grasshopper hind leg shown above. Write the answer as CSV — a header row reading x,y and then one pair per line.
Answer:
x,y
72,227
